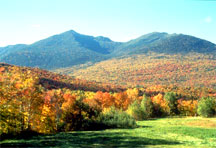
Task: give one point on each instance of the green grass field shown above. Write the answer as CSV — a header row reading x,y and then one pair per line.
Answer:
x,y
168,132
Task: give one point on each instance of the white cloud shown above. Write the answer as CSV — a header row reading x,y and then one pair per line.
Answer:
x,y
208,19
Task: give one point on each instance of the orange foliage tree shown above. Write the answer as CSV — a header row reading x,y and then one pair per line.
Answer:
x,y
160,105
187,107
122,101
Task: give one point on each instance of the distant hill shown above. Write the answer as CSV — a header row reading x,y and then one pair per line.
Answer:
x,y
71,48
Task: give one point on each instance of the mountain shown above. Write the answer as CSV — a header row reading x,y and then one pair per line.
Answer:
x,y
63,50
10,49
71,48
165,43
131,46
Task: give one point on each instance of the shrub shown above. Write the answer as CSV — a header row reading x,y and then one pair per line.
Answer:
x,y
136,111
207,107
79,116
116,119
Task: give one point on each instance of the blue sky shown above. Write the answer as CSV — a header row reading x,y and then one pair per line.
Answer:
x,y
27,21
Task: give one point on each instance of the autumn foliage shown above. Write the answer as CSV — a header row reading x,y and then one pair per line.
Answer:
x,y
26,104
193,70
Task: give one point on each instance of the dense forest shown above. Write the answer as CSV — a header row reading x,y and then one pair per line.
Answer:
x,y
192,70
44,102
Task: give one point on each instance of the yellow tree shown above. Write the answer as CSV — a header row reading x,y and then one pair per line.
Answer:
x,y
20,98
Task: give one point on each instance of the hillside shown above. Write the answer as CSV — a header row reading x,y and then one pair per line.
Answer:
x,y
72,49
50,80
156,69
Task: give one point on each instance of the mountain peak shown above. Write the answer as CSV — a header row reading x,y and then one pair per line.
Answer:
x,y
70,32
154,34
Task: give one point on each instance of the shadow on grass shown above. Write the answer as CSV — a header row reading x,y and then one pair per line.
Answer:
x,y
22,135
87,139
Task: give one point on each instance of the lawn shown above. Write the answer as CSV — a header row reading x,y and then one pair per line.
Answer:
x,y
167,132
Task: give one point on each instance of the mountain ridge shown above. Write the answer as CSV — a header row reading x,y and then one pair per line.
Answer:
x,y
71,48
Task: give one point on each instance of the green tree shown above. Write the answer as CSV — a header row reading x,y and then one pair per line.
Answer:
x,y
172,98
207,107
147,106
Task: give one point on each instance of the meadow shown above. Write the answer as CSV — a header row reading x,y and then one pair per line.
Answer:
x,y
186,132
